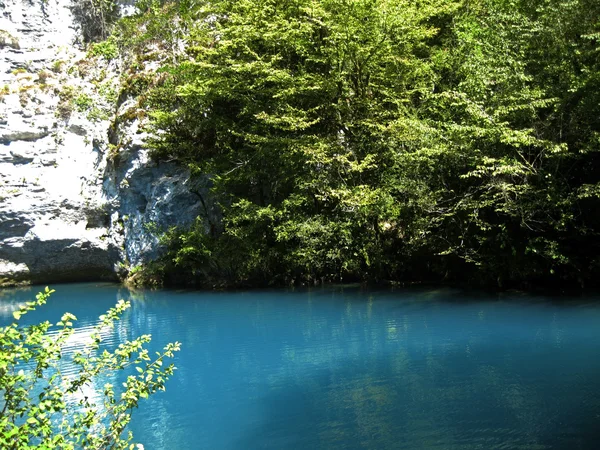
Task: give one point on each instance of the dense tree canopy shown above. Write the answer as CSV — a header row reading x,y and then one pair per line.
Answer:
x,y
383,139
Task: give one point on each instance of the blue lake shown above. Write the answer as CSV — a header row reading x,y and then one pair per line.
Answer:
x,y
344,367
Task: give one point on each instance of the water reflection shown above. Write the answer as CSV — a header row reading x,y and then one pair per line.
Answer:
x,y
346,368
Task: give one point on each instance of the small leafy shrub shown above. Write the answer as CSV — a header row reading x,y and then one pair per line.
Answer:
x,y
114,153
109,92
65,105
83,102
105,49
57,66
96,114
38,397
64,110
83,67
137,83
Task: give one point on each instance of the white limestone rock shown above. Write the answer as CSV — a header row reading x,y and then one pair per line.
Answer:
x,y
68,211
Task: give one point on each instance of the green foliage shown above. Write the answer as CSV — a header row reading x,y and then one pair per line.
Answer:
x,y
109,92
46,407
296,101
105,49
83,102
381,139
515,214
65,106
58,65
97,114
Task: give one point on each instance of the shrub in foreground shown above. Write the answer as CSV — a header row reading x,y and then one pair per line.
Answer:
x,y
44,406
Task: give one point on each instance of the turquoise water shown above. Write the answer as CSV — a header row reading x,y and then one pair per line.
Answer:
x,y
358,369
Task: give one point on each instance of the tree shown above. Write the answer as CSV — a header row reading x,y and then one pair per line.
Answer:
x,y
517,107
37,393
95,17
302,111
386,139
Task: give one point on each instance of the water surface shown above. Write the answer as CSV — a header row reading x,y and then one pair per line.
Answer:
x,y
357,369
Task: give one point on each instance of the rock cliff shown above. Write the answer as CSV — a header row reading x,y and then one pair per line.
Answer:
x,y
70,210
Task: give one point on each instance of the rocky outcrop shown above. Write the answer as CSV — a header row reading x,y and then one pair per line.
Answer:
x,y
149,197
70,210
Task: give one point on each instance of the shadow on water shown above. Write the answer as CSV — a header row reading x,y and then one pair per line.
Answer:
x,y
384,409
